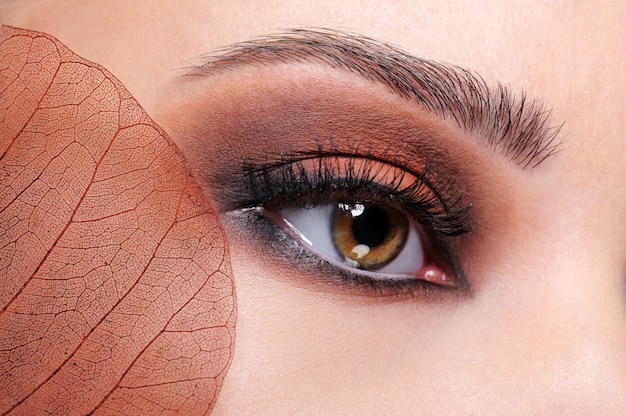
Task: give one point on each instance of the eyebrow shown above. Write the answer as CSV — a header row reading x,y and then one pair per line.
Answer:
x,y
514,125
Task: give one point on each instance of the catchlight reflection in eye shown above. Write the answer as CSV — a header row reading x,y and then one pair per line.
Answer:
x,y
368,236
376,239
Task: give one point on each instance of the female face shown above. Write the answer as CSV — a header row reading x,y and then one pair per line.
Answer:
x,y
435,227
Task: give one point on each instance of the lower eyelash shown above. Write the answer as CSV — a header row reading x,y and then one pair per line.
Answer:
x,y
289,251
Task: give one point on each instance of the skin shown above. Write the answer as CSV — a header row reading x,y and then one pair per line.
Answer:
x,y
542,331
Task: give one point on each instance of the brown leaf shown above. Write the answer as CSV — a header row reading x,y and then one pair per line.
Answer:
x,y
116,291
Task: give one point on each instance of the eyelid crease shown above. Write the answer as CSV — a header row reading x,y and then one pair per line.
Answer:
x,y
516,126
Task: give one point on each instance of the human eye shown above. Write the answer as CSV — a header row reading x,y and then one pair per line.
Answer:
x,y
369,237
370,223
360,124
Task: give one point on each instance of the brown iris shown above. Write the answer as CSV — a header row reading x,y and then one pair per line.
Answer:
x,y
368,236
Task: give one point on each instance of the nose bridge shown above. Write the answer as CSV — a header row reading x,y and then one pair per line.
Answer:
x,y
577,317
586,367
589,382
557,317
576,271
551,343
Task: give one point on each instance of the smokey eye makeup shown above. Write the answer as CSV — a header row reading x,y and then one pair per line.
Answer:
x,y
342,194
349,164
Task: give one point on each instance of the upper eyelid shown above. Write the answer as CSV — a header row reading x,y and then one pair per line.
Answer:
x,y
441,211
365,171
515,126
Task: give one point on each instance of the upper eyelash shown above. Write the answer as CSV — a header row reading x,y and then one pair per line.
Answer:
x,y
288,182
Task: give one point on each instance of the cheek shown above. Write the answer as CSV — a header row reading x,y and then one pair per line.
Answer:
x,y
521,340
300,346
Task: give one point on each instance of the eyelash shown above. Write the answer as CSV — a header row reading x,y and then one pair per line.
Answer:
x,y
314,180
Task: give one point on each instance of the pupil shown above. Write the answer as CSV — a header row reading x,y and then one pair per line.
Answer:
x,y
371,227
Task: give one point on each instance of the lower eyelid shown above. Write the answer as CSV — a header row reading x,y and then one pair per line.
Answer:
x,y
296,263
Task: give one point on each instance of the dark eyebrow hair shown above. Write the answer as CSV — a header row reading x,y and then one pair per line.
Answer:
x,y
514,125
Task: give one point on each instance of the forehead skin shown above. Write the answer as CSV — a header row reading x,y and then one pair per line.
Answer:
x,y
550,337
568,53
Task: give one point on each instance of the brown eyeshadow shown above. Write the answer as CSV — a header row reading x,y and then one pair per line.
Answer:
x,y
260,121
259,115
